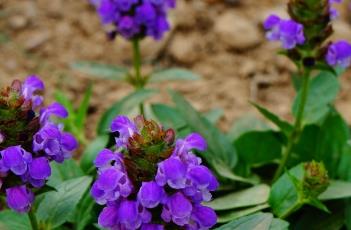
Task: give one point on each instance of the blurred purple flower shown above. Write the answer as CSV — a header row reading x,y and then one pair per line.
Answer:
x,y
55,109
151,194
177,209
133,18
339,54
124,128
30,87
288,32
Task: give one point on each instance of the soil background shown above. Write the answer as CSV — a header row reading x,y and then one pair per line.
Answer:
x,y
221,40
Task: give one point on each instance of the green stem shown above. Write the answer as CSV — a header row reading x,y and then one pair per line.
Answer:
x,y
295,134
138,83
33,219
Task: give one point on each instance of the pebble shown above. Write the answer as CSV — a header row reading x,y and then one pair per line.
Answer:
x,y
237,32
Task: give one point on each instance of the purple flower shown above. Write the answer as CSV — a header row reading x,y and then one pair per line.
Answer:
x,y
56,144
133,18
192,141
172,172
108,218
110,186
39,171
152,227
202,217
24,157
339,54
30,87
177,209
19,198
125,129
106,158
15,159
132,215
55,109
151,194
175,182
289,32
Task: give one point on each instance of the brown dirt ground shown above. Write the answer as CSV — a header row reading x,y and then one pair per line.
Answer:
x,y
221,40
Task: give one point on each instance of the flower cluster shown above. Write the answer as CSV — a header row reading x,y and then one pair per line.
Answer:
x,y
305,34
152,183
29,141
289,32
135,18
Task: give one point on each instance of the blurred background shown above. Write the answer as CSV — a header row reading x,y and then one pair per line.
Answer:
x,y
222,40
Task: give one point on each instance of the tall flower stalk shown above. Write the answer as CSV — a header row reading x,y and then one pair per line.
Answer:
x,y
304,39
134,20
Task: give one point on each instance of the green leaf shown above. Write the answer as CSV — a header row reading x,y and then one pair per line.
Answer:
x,y
84,213
337,190
258,221
331,142
284,126
232,215
62,172
91,152
168,116
220,148
323,91
246,124
249,197
259,147
111,72
224,171
286,196
56,207
124,106
10,220
278,224
173,74
295,189
214,115
83,108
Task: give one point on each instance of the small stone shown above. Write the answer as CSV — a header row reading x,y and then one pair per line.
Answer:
x,y
18,22
237,32
185,48
37,40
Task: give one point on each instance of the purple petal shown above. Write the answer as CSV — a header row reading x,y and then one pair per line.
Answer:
x,y
55,109
40,168
204,216
19,198
108,217
150,194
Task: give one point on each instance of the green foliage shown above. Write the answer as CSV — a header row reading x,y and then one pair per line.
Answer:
x,y
99,70
219,146
173,74
57,206
284,126
259,147
123,106
294,189
258,221
10,220
249,197
322,93
75,122
91,151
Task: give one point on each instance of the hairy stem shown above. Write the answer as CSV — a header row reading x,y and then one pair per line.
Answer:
x,y
139,84
296,132
33,219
